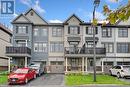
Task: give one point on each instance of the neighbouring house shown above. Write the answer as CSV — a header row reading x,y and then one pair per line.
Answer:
x,y
68,46
5,40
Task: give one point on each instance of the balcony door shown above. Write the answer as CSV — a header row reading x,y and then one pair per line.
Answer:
x,y
73,47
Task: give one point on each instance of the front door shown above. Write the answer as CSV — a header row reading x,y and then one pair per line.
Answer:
x,y
21,62
90,64
75,64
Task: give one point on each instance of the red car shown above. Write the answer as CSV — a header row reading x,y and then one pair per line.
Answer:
x,y
21,75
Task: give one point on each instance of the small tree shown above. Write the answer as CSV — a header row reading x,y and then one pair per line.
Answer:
x,y
121,13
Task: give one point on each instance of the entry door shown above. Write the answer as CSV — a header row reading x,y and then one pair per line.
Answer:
x,y
21,62
57,67
90,64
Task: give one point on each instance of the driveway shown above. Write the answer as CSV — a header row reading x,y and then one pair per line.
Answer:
x,y
48,80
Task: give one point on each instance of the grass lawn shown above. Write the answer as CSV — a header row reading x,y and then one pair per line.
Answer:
x,y
3,79
88,79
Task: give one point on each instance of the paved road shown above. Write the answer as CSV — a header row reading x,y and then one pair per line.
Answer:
x,y
126,80
55,80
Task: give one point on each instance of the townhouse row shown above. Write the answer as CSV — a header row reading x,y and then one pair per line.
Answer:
x,y
68,46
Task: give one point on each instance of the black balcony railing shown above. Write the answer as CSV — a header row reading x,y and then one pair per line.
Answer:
x,y
78,50
18,50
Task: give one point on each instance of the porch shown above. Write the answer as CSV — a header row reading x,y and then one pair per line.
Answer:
x,y
82,64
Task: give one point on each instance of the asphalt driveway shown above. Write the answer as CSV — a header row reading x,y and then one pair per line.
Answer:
x,y
52,80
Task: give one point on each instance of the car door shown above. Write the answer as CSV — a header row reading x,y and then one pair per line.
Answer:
x,y
113,70
30,74
118,69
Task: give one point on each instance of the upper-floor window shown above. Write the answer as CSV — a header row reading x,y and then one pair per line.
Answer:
x,y
36,32
44,32
56,47
21,43
22,29
123,32
40,32
90,30
123,47
106,32
57,32
40,47
73,30
89,44
109,47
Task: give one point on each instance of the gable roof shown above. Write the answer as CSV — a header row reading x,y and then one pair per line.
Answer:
x,y
21,15
36,14
5,29
73,15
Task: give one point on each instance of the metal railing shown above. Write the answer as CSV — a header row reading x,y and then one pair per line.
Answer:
x,y
18,50
79,50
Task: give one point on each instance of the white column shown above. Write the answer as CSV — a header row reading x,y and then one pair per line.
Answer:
x,y
8,64
26,61
86,64
26,43
82,64
49,67
66,64
102,65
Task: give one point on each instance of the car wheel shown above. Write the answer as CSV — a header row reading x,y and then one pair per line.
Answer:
x,y
26,81
118,75
110,73
35,76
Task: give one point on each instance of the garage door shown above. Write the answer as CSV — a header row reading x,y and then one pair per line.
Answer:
x,y
57,67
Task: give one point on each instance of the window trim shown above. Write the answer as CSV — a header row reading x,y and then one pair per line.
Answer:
x,y
55,29
123,32
108,45
123,47
78,30
106,36
54,44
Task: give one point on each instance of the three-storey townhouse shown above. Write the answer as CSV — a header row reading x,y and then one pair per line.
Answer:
x,y
68,46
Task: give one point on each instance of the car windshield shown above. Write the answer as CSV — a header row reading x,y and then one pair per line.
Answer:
x,y
23,71
126,67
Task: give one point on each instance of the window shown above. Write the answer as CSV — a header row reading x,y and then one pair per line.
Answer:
x,y
122,32
122,48
90,30
40,47
22,29
109,47
56,47
73,30
57,32
106,32
44,32
89,44
21,43
35,47
36,32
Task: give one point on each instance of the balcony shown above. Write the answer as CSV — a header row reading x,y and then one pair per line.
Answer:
x,y
18,51
87,52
